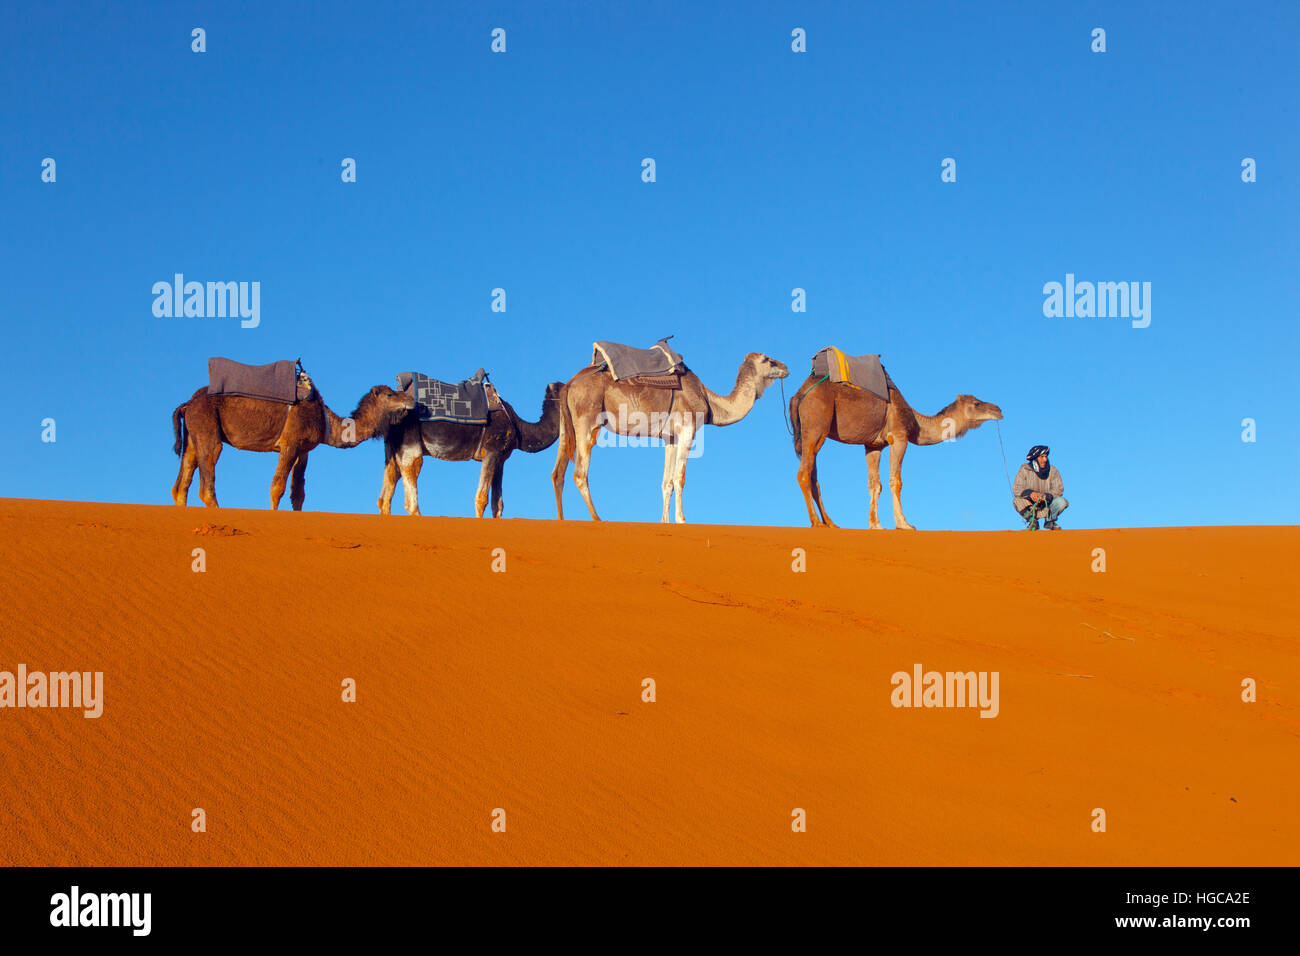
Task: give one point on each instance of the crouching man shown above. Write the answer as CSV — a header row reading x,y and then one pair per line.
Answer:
x,y
1038,490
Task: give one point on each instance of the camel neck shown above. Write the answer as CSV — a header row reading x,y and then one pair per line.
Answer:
x,y
945,424
541,434
334,428
350,432
729,409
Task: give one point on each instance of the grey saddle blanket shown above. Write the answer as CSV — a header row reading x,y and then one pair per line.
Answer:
x,y
864,371
624,361
276,382
464,402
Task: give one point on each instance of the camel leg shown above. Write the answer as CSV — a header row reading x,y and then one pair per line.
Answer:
x,y
896,451
683,439
189,461
874,486
807,465
410,468
207,463
817,497
586,438
670,464
389,485
562,456
288,455
498,479
298,487
484,485
804,477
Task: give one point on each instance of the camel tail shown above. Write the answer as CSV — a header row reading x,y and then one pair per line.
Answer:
x,y
795,426
179,429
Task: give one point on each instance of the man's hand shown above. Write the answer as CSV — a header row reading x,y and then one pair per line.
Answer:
x,y
1036,496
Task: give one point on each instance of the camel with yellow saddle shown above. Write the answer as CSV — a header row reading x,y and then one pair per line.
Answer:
x,y
852,399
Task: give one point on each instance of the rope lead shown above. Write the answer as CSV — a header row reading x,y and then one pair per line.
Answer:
x,y
1005,470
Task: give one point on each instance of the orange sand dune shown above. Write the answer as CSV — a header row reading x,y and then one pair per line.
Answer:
x,y
522,691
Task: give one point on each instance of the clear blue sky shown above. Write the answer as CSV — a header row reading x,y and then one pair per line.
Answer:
x,y
775,170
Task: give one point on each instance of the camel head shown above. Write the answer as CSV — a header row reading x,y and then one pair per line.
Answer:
x,y
388,405
553,392
766,370
976,412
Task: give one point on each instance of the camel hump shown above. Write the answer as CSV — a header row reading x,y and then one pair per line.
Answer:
x,y
465,403
860,371
625,361
275,382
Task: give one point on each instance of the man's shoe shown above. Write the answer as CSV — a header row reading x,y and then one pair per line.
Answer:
x,y
1031,525
1051,526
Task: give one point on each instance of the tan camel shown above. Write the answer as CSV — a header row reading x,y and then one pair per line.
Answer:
x,y
593,400
855,416
205,422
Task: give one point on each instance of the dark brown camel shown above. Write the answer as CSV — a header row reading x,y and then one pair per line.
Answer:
x,y
407,442
855,416
205,422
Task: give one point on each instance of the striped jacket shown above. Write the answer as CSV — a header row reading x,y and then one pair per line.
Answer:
x,y
1027,480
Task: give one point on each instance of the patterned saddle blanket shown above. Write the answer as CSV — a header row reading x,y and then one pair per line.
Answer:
x,y
860,371
624,362
276,382
467,403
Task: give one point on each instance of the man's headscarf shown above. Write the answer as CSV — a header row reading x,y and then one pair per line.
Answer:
x,y
1032,458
